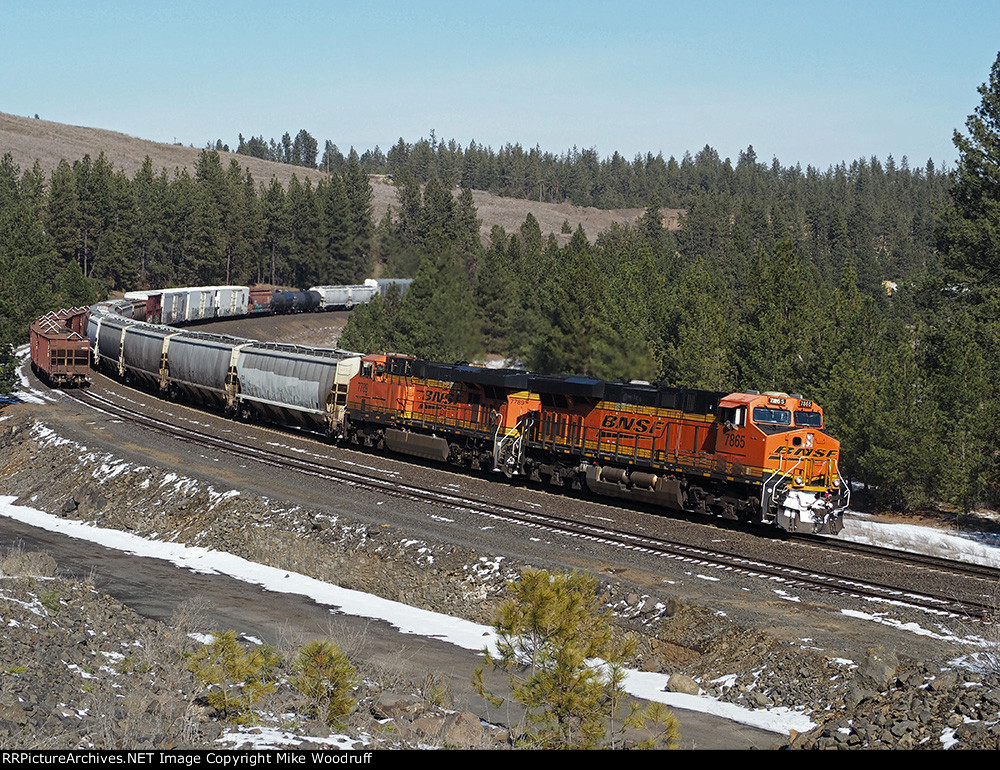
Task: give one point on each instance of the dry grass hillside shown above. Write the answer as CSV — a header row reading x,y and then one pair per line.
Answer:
x,y
30,139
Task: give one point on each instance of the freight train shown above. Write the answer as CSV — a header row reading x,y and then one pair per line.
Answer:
x,y
752,457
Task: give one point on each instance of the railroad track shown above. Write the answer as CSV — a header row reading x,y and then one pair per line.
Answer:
x,y
934,563
325,465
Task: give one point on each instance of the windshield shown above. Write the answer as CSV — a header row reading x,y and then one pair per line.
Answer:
x,y
761,414
809,419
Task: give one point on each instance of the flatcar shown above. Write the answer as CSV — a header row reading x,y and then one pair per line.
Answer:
x,y
60,350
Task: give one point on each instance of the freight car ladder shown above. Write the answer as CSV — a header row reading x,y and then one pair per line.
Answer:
x,y
232,386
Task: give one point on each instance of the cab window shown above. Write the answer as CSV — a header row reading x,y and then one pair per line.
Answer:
x,y
809,419
733,416
764,416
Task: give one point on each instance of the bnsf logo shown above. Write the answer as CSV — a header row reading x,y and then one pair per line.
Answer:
x,y
439,397
818,454
628,424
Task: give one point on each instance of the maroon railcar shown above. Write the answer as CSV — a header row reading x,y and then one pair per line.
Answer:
x,y
60,350
260,301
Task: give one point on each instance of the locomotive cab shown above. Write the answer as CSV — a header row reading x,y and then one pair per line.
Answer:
x,y
737,441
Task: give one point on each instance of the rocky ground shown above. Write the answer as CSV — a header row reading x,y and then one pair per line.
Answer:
x,y
79,669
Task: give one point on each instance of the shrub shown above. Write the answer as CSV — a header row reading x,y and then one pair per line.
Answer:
x,y
237,677
326,677
566,667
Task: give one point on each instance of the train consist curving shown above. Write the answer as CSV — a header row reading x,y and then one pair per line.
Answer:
x,y
752,457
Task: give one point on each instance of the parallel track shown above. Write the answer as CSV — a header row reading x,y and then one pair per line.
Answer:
x,y
328,467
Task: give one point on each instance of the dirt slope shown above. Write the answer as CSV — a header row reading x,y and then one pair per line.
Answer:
x,y
29,140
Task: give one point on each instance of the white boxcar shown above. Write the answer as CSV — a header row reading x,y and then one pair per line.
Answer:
x,y
173,306
200,303
231,301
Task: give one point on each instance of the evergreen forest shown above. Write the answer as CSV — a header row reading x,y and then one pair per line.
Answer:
x,y
870,287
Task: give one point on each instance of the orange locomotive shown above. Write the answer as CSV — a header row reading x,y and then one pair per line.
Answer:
x,y
745,456
760,458
451,413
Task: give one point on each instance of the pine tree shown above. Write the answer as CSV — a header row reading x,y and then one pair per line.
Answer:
x,y
337,263
27,255
305,255
698,348
63,212
304,150
438,317
273,267
467,239
149,237
565,665
971,231
359,229
961,356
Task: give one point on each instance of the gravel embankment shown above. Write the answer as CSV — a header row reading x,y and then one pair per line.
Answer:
x,y
64,639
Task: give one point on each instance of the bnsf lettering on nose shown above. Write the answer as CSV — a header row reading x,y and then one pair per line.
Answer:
x,y
625,423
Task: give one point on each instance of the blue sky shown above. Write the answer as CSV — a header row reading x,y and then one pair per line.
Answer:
x,y
806,82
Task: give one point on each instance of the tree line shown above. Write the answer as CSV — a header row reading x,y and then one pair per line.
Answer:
x,y
739,300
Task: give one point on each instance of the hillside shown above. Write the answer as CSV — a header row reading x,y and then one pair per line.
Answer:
x,y
31,139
